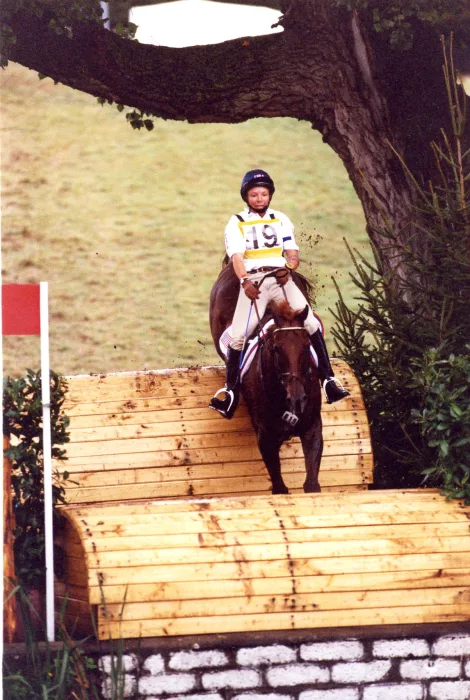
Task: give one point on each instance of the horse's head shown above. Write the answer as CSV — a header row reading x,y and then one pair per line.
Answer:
x,y
292,359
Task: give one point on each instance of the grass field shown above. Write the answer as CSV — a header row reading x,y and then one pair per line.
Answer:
x,y
127,227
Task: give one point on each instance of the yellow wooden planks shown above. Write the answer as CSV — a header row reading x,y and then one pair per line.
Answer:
x,y
336,525
297,568
394,502
144,538
112,407
178,535
204,487
187,590
293,603
132,429
130,475
272,562
109,434
357,439
223,456
284,621
116,416
164,383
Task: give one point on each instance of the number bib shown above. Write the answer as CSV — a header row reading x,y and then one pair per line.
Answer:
x,y
262,235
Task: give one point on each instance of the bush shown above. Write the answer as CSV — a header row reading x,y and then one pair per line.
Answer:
x,y
444,419
407,342
22,423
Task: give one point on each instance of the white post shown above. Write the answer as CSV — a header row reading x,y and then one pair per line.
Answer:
x,y
47,453
105,15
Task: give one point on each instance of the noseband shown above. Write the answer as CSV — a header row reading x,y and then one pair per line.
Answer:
x,y
291,418
289,328
289,375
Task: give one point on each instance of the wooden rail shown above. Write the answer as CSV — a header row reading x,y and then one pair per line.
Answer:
x,y
171,529
269,563
151,435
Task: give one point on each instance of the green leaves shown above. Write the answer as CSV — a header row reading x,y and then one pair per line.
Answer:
x,y
137,120
407,341
22,423
396,19
444,418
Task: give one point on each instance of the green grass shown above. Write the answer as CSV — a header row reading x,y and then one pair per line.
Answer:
x,y
127,227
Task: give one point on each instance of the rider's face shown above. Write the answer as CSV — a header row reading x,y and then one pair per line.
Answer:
x,y
258,198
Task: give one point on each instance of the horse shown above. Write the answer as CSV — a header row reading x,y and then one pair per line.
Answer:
x,y
281,388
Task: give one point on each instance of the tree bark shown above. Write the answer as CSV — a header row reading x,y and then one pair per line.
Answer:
x,y
323,69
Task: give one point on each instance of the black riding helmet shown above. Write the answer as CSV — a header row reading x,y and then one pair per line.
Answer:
x,y
256,178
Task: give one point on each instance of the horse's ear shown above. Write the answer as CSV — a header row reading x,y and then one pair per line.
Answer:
x,y
303,315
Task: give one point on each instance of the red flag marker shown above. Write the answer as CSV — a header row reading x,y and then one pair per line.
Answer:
x,y
25,311
21,309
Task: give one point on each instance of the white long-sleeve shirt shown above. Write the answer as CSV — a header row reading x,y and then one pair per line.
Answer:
x,y
260,240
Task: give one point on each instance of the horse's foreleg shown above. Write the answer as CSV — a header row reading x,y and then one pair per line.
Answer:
x,y
312,444
269,448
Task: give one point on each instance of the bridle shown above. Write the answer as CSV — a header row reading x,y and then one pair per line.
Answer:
x,y
285,377
290,375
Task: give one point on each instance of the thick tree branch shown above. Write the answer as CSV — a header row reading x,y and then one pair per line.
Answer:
x,y
310,71
228,82
323,69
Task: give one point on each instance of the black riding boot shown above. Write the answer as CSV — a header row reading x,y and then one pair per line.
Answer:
x,y
228,405
331,386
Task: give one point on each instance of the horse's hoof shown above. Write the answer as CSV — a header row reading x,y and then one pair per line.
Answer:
x,y
280,491
312,488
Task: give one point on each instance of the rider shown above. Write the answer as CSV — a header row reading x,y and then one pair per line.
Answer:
x,y
260,240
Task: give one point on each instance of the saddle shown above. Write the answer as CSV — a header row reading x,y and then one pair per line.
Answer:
x,y
252,344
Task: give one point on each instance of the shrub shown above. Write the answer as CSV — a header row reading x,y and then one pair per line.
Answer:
x,y
407,341
444,419
22,423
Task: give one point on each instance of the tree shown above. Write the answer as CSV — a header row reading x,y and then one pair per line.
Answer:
x,y
364,73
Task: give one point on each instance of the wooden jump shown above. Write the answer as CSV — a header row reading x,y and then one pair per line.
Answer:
x,y
171,529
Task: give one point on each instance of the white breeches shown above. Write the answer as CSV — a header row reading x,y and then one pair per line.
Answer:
x,y
270,290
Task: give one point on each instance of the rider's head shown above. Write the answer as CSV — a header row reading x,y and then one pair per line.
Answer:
x,y
257,189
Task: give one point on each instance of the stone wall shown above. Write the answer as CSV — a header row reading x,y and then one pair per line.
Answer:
x,y
405,667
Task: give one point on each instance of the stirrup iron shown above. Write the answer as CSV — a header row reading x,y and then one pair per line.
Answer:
x,y
339,392
224,406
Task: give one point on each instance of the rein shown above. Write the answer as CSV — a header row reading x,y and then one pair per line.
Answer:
x,y
274,273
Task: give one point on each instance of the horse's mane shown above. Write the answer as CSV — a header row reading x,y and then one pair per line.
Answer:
x,y
283,310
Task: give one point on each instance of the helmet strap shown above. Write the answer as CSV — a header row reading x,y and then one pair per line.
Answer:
x,y
261,212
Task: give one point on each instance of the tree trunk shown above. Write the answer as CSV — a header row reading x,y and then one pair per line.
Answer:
x,y
327,67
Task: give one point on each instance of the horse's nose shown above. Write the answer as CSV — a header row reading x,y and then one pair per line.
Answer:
x,y
296,399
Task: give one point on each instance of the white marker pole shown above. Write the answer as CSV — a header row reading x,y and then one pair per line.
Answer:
x,y
47,455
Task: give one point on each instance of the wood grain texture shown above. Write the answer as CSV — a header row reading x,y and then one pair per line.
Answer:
x,y
172,529
140,435
267,563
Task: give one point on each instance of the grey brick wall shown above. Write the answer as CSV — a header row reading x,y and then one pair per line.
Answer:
x,y
405,668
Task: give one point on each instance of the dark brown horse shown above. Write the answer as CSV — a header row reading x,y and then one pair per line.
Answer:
x,y
281,387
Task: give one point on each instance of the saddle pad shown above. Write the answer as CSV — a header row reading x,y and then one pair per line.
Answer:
x,y
252,346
